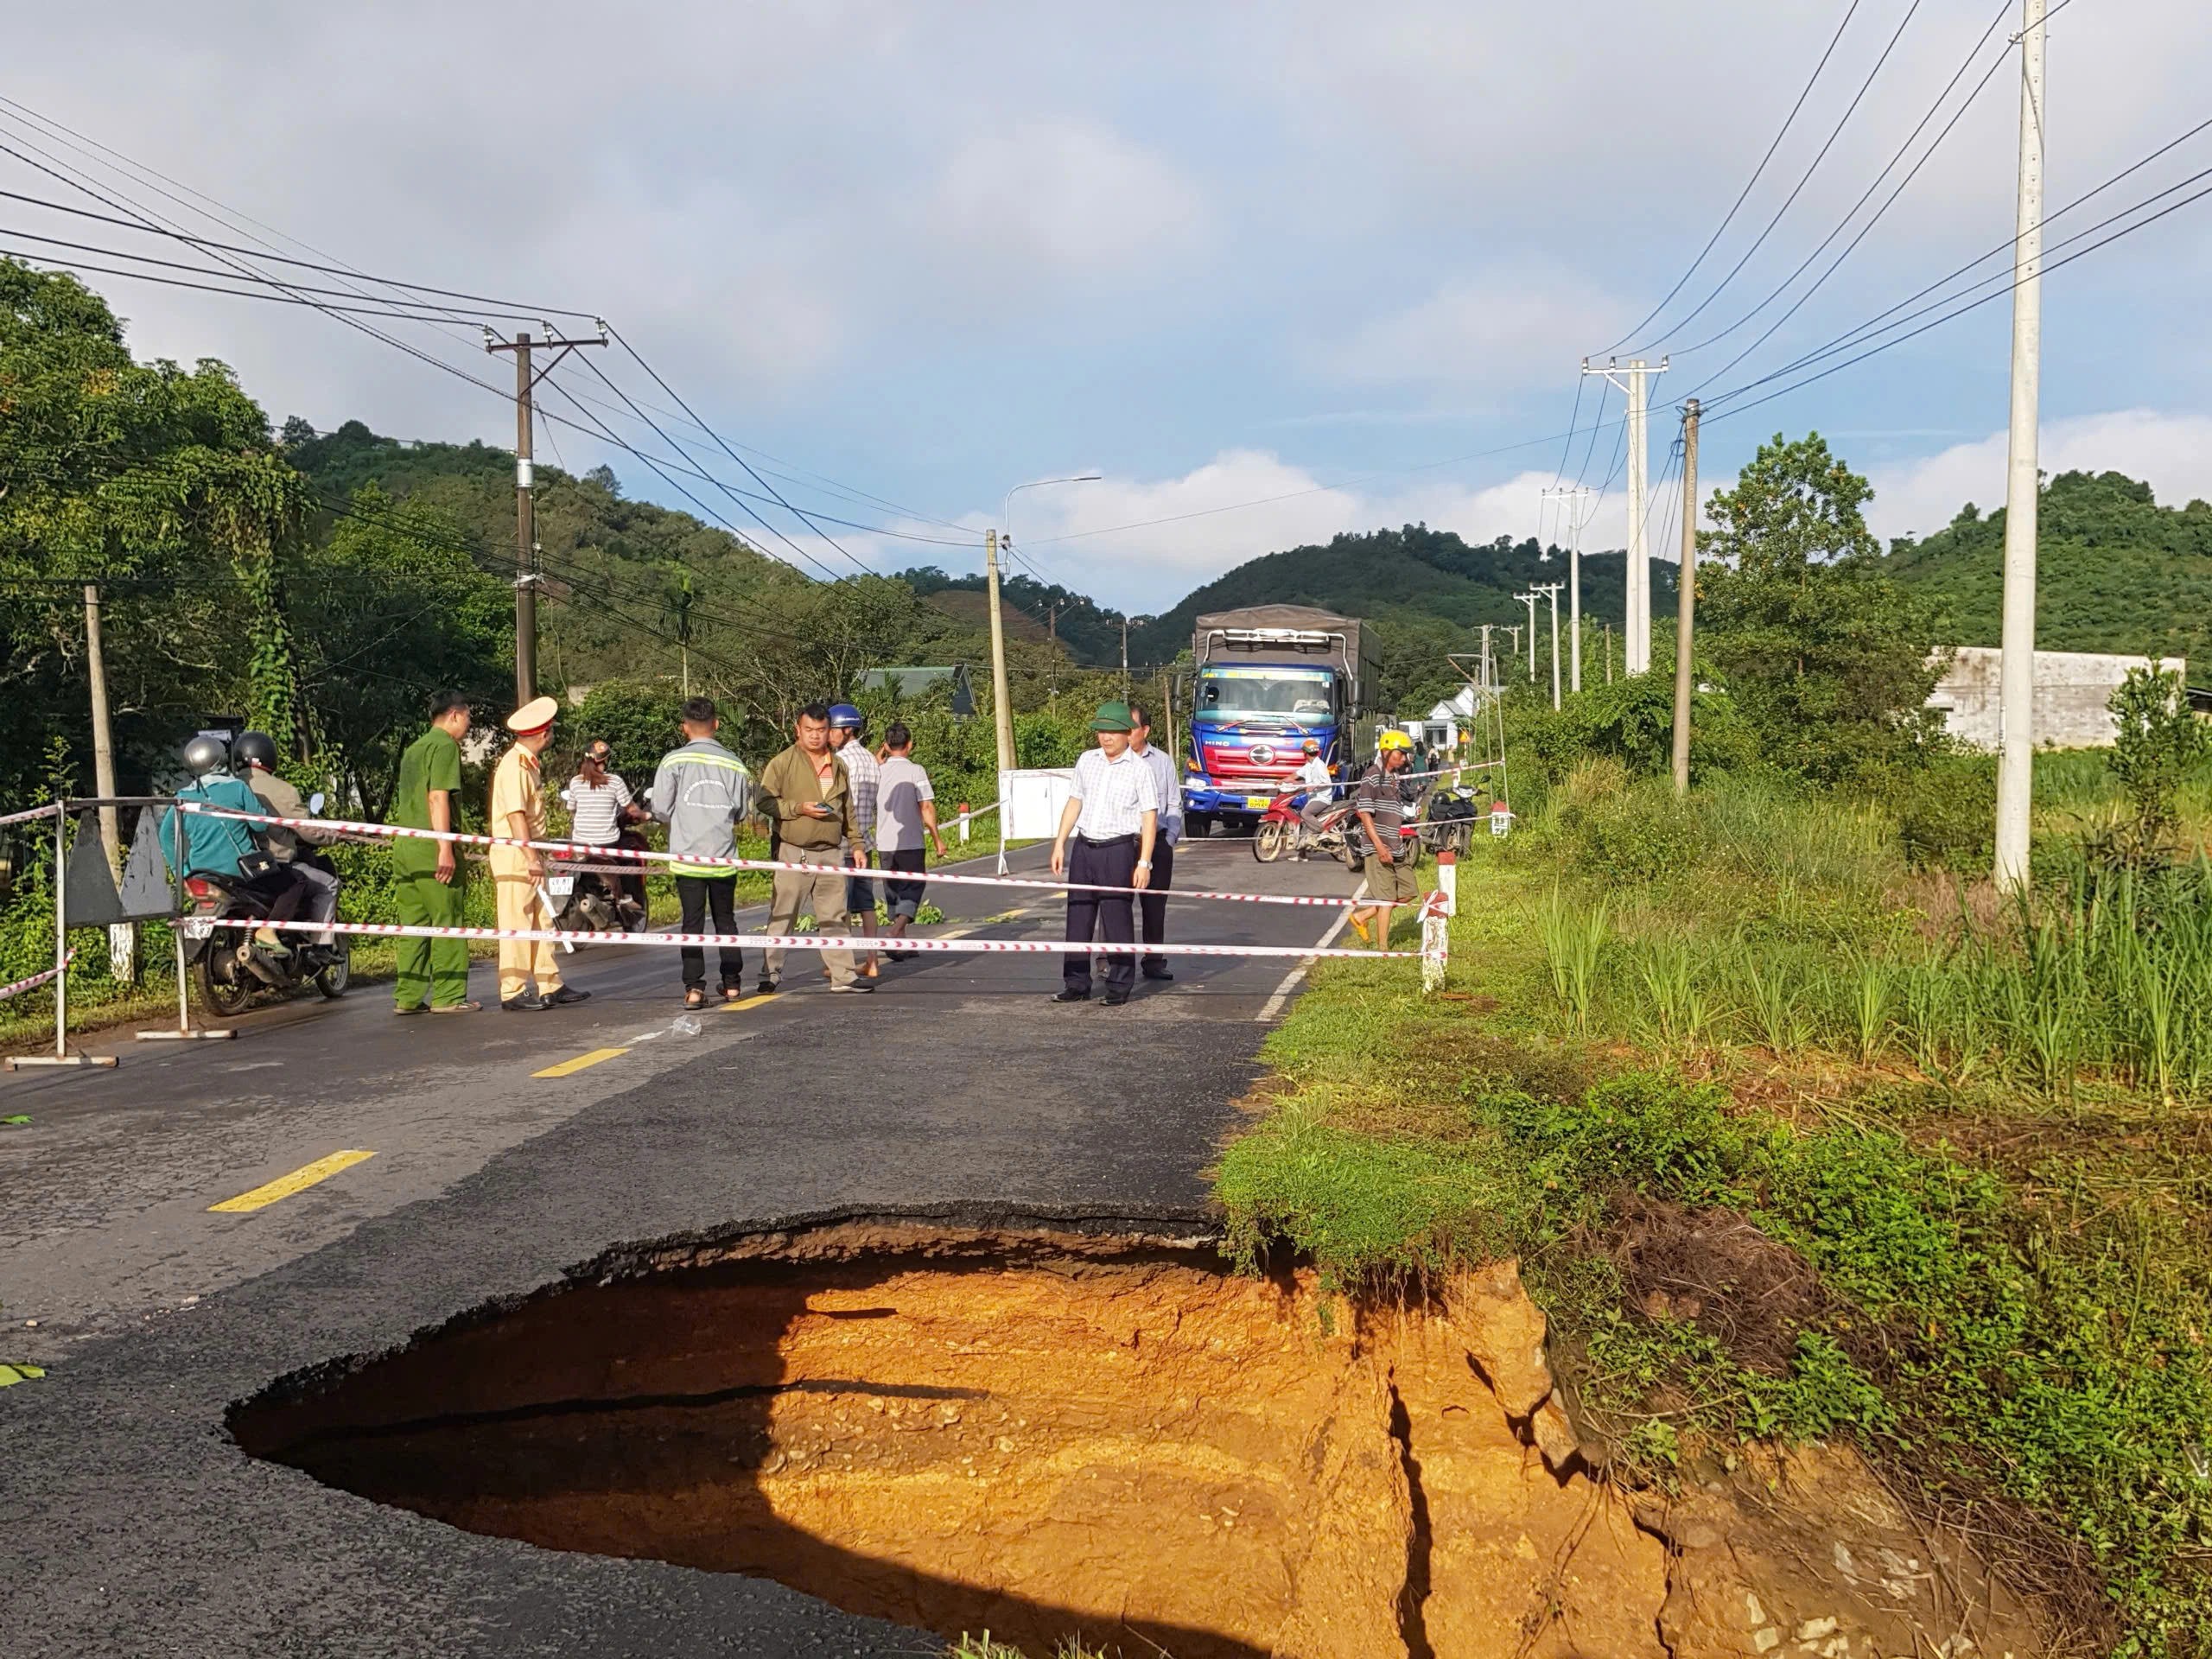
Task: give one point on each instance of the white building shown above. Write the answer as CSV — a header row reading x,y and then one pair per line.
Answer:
x,y
2072,689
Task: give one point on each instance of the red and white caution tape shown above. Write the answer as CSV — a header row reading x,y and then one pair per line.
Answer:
x,y
36,980
570,848
36,812
863,942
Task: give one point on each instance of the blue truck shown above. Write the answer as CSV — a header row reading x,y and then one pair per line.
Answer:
x,y
1264,679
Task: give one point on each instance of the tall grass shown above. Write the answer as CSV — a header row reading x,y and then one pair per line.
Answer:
x,y
1574,946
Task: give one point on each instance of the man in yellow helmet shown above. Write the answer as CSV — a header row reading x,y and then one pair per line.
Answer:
x,y
1380,807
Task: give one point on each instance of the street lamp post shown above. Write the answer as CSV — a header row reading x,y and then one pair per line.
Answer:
x,y
994,540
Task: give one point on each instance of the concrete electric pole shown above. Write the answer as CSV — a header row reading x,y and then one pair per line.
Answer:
x,y
1001,708
1530,600
1629,376
527,576
2017,684
1576,511
993,542
1686,599
1550,591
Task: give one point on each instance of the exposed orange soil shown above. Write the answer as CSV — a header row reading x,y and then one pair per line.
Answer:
x,y
1046,1437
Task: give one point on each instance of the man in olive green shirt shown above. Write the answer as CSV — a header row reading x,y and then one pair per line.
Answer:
x,y
427,873
808,800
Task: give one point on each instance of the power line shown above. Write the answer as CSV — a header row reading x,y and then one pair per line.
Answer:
x,y
1868,330
2045,268
501,307
1729,218
1842,224
1864,87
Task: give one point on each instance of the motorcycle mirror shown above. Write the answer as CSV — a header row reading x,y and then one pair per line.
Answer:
x,y
568,797
314,805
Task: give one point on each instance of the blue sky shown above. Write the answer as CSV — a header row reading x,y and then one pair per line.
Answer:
x,y
1220,253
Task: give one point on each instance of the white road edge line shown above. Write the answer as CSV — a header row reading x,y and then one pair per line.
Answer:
x,y
1274,1005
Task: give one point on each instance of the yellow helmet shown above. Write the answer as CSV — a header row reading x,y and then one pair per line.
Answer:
x,y
1395,740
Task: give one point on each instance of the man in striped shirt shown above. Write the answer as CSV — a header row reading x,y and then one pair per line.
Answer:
x,y
1113,820
864,774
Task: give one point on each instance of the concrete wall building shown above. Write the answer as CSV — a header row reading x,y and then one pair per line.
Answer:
x,y
2072,687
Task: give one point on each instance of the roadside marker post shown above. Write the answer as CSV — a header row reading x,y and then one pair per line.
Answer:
x,y
186,1032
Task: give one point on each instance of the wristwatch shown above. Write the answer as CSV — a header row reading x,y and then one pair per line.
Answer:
x,y
1144,863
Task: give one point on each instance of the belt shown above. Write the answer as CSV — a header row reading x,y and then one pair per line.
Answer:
x,y
1110,841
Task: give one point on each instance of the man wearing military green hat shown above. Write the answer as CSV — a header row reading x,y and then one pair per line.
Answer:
x,y
1105,840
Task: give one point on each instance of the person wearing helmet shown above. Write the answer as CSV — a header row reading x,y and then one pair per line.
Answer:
x,y
226,847
257,753
1320,788
863,773
1380,807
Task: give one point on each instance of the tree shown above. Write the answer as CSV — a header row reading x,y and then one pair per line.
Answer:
x,y
390,610
160,483
1829,659
2157,742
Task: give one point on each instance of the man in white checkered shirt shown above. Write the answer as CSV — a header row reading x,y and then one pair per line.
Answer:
x,y
865,775
1114,817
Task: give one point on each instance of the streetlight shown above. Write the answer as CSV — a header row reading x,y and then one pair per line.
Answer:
x,y
993,540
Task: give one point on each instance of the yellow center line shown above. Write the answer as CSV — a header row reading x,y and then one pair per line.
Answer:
x,y
746,1002
582,1060
284,1186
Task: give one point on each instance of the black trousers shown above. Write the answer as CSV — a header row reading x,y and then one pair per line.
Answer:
x,y
698,894
1107,915
904,898
1153,903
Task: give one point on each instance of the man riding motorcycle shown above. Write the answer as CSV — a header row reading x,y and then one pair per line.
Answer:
x,y
291,849
1322,789
226,848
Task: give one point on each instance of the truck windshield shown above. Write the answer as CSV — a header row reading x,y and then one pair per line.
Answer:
x,y
1260,691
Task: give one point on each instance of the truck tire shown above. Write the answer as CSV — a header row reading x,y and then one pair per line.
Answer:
x,y
1197,826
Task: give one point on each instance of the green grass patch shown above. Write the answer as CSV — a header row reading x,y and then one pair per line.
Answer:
x,y
2002,1292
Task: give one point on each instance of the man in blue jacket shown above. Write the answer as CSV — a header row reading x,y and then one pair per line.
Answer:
x,y
225,847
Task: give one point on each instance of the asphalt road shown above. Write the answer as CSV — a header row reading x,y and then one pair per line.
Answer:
x,y
133,1523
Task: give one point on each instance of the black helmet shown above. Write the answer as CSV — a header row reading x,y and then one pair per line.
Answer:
x,y
206,753
255,749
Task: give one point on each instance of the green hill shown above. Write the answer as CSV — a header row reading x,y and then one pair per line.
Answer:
x,y
2114,570
1427,590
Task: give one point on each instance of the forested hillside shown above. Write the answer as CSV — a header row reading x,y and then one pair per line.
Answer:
x,y
1426,588
2114,570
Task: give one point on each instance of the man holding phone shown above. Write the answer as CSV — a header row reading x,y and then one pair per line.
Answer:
x,y
808,801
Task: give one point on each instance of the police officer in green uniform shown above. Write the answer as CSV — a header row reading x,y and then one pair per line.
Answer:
x,y
427,873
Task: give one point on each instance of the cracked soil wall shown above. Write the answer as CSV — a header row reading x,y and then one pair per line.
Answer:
x,y
1045,1436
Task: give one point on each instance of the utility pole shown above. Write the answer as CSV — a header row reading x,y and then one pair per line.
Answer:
x,y
1686,599
527,576
1513,628
1053,653
1550,591
1576,511
1530,600
122,936
1125,659
1609,653
1001,708
1630,377
2016,663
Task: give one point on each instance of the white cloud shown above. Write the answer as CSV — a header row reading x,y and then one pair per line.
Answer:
x,y
1505,328
2173,452
1064,192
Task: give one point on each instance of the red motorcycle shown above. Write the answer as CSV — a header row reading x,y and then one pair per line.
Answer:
x,y
1283,831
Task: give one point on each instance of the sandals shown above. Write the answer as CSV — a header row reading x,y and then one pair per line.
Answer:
x,y
732,993
695,997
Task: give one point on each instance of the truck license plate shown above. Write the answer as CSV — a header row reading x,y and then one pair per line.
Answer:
x,y
1259,803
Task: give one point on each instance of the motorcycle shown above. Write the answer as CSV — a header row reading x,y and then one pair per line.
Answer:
x,y
588,901
1283,831
218,949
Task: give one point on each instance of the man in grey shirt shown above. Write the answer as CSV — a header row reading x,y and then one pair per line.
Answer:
x,y
699,793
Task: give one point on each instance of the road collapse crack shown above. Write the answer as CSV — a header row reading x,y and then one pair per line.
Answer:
x,y
1412,1597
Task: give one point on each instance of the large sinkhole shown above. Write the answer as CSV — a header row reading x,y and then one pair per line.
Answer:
x,y
1042,1434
